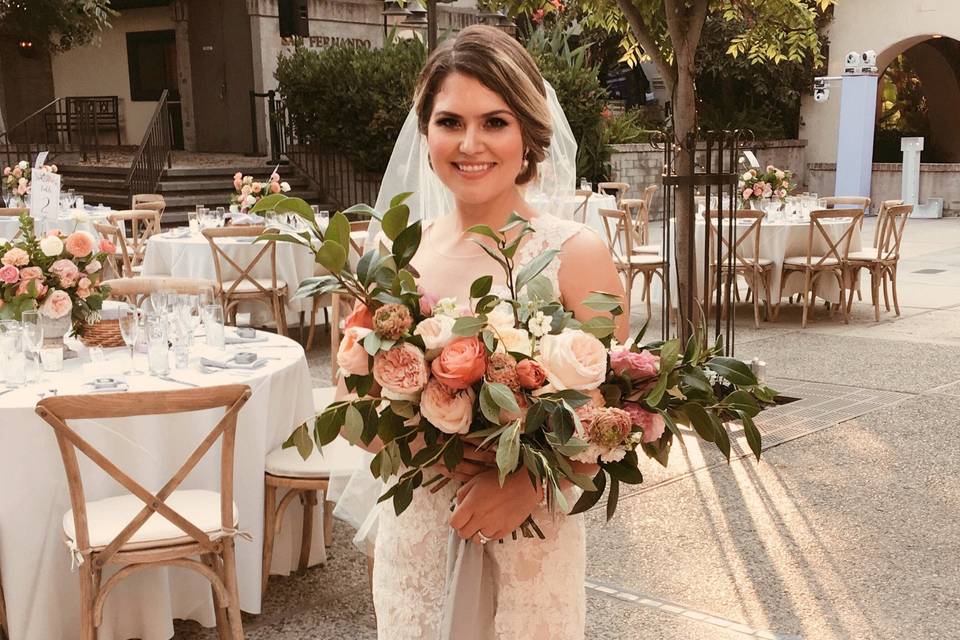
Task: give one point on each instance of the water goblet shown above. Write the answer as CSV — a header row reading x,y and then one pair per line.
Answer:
x,y
32,337
130,331
213,324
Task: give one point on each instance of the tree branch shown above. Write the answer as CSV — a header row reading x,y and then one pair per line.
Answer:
x,y
645,37
698,18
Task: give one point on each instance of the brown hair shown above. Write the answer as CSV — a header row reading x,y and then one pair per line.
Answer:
x,y
501,64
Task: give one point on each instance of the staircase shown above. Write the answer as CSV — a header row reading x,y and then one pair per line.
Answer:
x,y
183,188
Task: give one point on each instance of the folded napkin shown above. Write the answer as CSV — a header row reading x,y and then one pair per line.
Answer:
x,y
89,387
232,364
233,338
246,218
178,232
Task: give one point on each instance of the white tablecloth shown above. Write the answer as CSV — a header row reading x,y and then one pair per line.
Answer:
x,y
10,225
568,206
42,595
780,240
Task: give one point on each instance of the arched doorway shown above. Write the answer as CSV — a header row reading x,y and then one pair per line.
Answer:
x,y
919,95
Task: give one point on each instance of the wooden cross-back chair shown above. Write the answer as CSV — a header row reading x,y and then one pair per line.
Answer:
x,y
831,262
244,286
580,213
146,529
619,190
755,270
882,260
619,234
150,201
135,290
339,306
13,213
638,210
143,224
119,262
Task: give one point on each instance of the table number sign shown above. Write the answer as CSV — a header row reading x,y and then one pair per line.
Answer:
x,y
44,195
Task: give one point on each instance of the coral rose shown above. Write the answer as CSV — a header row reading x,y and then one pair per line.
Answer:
x,y
57,305
461,363
573,359
635,365
449,410
401,372
531,374
79,244
359,317
651,422
16,257
436,331
274,187
352,358
9,274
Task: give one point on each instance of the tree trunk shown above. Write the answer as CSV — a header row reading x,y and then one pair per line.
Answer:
x,y
685,130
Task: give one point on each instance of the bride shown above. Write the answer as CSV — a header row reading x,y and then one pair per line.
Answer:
x,y
481,113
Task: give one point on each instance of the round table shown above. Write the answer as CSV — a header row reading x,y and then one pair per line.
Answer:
x,y
781,239
189,256
10,225
42,594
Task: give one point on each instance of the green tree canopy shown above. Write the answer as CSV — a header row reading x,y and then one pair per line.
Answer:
x,y
57,24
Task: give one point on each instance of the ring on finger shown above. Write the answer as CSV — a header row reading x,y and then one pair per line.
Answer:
x,y
483,539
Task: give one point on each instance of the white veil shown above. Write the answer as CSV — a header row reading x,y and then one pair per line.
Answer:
x,y
409,170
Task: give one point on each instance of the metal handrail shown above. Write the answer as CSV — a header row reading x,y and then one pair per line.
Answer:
x,y
154,152
63,124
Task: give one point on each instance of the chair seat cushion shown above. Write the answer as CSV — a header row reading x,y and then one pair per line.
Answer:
x,y
641,260
337,457
800,261
647,248
865,254
246,286
137,268
763,262
106,518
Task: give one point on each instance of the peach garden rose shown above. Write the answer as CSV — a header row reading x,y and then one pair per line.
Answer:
x,y
573,359
401,372
57,305
450,410
79,244
352,358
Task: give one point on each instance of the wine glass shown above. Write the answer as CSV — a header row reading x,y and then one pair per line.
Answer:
x,y
32,336
130,330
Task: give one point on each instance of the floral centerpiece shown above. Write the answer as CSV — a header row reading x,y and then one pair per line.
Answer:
x,y
773,184
15,183
58,274
247,191
509,370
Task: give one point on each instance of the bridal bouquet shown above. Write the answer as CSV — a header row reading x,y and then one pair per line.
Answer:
x,y
773,183
510,370
58,274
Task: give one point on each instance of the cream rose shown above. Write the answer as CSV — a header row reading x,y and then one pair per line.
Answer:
x,y
437,332
500,318
448,409
573,359
514,340
51,246
352,358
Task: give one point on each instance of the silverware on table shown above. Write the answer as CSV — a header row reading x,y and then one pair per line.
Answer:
x,y
183,382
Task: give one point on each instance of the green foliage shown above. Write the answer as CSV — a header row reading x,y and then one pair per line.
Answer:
x,y
56,24
351,98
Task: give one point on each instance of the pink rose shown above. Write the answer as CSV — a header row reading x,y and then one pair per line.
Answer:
x,y
531,374
651,422
9,274
31,273
238,176
274,187
573,359
79,244
636,365
83,288
257,187
747,194
461,363
449,410
359,317
401,372
24,286
427,301
352,358
66,271
16,257
17,172
7,171
758,189
107,247
57,305
274,177
237,184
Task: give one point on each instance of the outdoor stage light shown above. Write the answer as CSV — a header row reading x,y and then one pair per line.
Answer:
x,y
869,61
821,91
853,63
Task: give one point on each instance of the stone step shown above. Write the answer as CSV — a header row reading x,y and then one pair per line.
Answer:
x,y
216,184
257,171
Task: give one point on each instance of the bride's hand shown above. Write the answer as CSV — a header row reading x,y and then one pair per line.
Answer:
x,y
483,506
475,461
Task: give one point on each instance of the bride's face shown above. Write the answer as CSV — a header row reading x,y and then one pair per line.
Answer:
x,y
475,143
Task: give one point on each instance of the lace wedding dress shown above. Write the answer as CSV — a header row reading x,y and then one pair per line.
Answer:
x,y
539,592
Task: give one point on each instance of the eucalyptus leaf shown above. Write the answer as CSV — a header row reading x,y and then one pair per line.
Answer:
x,y
484,230
602,301
353,425
502,396
613,497
599,326
590,498
541,288
467,326
508,451
533,268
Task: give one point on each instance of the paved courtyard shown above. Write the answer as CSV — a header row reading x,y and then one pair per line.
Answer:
x,y
846,529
